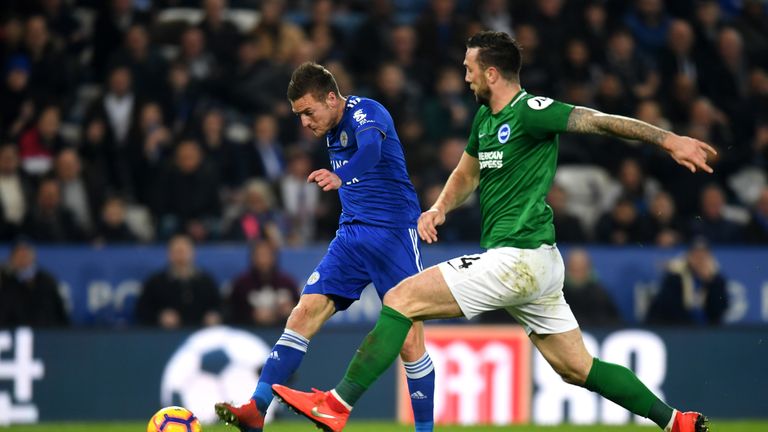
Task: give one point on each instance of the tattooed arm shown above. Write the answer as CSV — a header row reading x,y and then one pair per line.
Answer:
x,y
686,151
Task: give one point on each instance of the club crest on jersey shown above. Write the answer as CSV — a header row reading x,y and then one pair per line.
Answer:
x,y
539,102
343,138
504,133
313,278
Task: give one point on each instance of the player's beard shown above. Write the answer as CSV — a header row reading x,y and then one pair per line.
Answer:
x,y
483,95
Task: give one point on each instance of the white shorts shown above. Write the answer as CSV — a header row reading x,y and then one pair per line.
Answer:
x,y
527,283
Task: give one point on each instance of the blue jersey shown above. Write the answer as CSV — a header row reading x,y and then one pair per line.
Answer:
x,y
383,195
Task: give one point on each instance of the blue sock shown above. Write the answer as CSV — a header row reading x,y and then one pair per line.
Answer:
x,y
421,386
282,362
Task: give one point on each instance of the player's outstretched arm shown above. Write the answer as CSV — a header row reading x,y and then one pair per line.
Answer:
x,y
688,152
461,183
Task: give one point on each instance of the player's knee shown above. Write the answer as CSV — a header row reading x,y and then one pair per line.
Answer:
x,y
307,317
396,299
571,375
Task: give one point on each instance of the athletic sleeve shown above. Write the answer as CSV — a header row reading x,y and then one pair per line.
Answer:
x,y
368,154
473,142
542,117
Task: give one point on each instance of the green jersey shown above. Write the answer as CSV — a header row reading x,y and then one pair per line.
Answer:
x,y
517,152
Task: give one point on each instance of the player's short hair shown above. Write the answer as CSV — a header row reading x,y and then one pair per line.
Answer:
x,y
312,78
499,50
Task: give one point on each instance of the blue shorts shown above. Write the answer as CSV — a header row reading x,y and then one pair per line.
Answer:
x,y
361,254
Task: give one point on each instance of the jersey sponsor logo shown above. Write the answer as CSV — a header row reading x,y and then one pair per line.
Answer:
x,y
504,133
343,138
313,278
491,159
481,135
539,102
359,116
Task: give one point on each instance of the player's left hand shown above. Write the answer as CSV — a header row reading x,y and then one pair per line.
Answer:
x,y
689,152
325,179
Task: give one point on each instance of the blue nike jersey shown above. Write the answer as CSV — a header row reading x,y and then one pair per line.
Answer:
x,y
383,195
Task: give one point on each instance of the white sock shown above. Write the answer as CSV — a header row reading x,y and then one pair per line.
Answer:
x,y
342,401
668,427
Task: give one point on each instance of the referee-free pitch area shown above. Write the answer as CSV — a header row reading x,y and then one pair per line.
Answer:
x,y
299,426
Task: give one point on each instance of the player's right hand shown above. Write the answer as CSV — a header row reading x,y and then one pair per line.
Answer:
x,y
428,223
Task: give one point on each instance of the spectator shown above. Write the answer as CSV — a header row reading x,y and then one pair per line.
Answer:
x,y
590,302
264,295
678,57
49,221
181,294
753,27
568,228
15,193
118,109
29,295
712,225
300,199
283,38
450,111
144,61
17,96
632,183
218,149
726,81
395,92
496,15
263,156
707,24
536,71
112,227
153,149
49,73
327,38
256,83
187,196
39,144
757,229
180,98
66,29
693,291
664,226
200,63
441,33
403,45
365,54
578,66
594,28
256,218
221,35
621,226
649,24
634,71
113,20
81,194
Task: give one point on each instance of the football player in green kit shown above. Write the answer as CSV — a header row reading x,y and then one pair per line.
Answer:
x,y
511,156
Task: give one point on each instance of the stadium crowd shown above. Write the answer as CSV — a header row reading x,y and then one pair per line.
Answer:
x,y
136,121
133,120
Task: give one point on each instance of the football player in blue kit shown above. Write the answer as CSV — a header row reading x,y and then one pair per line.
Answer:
x,y
376,240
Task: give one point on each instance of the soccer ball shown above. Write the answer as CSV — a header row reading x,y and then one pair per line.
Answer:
x,y
174,419
213,365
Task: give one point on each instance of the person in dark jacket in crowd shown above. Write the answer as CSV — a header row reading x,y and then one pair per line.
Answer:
x,y
264,295
29,295
181,294
693,291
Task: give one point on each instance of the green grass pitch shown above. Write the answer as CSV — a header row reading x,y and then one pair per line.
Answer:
x,y
301,426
